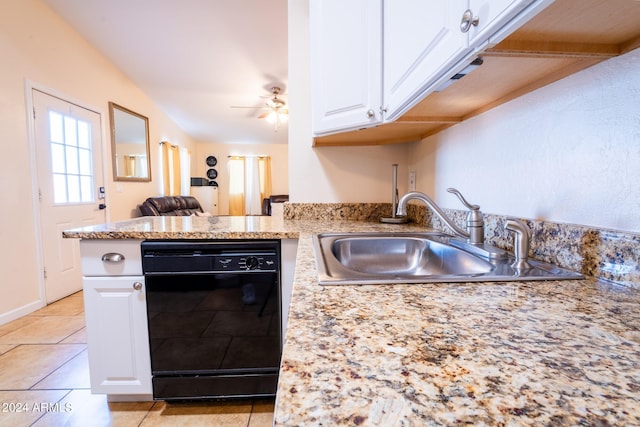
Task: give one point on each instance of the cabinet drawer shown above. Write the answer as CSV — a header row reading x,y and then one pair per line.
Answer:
x,y
111,257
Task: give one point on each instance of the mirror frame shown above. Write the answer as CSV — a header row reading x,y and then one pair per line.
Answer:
x,y
114,143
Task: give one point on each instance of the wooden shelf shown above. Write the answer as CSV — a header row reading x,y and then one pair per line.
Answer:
x,y
567,37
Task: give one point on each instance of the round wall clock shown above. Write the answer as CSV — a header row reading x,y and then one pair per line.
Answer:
x,y
212,161
212,174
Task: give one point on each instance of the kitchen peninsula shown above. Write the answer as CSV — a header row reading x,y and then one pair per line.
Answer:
x,y
525,353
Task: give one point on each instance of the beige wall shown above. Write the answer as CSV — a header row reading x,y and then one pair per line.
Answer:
x,y
569,152
37,46
279,166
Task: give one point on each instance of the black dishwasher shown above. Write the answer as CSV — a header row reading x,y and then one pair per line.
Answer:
x,y
214,313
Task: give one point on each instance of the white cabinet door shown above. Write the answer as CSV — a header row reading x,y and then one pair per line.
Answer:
x,y
422,40
492,14
117,335
346,64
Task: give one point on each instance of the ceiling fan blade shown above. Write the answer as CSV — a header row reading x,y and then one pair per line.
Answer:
x,y
240,106
263,115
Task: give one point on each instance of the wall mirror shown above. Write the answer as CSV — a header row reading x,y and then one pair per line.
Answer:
x,y
129,144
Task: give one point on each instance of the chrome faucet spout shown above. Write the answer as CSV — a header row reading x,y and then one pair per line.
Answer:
x,y
416,195
475,223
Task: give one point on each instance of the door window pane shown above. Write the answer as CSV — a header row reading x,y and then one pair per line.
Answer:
x,y
70,131
84,135
85,162
71,159
57,158
55,127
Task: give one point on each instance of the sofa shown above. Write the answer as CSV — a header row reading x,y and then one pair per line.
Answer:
x,y
170,206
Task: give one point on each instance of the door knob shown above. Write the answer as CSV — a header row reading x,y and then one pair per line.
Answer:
x,y
137,286
468,20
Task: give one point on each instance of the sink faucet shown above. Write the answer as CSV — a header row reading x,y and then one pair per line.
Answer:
x,y
475,223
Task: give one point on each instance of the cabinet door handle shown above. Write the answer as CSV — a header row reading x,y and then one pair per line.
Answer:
x,y
112,257
371,114
468,20
137,286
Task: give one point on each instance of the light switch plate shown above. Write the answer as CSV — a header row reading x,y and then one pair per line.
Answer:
x,y
412,180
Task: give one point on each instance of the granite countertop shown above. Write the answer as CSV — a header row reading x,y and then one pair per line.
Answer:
x,y
510,353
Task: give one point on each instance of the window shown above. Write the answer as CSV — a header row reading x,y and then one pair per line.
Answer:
x,y
249,184
71,159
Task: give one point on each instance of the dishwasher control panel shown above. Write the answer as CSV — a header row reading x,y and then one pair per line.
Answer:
x,y
161,257
245,262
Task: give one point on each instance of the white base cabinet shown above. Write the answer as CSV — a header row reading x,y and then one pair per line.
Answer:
x,y
116,319
116,314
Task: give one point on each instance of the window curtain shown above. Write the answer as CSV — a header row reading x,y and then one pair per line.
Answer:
x,y
249,184
236,185
185,168
171,170
129,165
264,167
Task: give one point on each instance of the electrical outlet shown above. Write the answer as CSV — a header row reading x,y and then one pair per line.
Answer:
x,y
412,180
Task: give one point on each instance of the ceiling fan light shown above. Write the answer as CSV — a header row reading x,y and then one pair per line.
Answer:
x,y
272,117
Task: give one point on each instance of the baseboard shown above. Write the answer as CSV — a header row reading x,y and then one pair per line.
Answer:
x,y
20,311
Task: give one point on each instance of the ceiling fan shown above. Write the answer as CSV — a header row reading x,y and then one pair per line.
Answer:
x,y
277,111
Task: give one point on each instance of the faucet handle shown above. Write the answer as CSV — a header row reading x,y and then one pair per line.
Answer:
x,y
463,200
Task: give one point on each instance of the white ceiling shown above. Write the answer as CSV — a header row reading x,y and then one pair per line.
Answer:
x,y
194,58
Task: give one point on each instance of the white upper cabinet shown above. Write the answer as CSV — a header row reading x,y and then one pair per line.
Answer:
x,y
422,39
372,60
346,64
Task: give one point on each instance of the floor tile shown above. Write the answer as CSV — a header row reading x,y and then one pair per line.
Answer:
x,y
43,330
79,337
262,413
23,407
219,414
16,324
72,305
26,365
6,347
72,375
81,409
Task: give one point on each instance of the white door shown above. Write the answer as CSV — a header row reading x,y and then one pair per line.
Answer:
x,y
346,64
422,40
71,188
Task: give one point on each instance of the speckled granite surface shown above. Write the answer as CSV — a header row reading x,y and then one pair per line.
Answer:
x,y
528,353
512,353
223,227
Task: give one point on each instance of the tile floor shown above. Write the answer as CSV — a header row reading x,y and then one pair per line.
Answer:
x,y
44,381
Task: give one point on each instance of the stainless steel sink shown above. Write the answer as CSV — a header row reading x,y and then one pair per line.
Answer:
x,y
404,256
382,258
